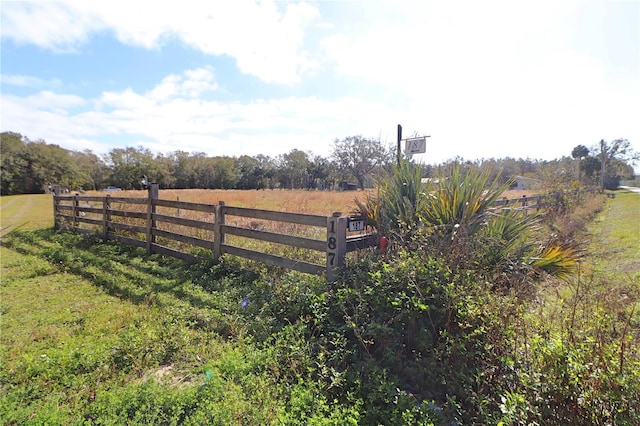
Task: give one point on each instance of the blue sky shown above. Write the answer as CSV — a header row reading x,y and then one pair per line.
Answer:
x,y
488,79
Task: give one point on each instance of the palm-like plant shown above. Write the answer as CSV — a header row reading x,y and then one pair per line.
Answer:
x,y
455,216
460,204
394,211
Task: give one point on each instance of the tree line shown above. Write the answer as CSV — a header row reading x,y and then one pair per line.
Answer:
x,y
29,166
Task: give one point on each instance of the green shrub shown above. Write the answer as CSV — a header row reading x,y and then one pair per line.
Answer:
x,y
453,217
412,340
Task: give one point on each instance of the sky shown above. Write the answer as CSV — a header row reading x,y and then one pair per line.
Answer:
x,y
484,79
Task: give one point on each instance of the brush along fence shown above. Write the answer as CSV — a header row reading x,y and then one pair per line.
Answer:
x,y
189,231
537,202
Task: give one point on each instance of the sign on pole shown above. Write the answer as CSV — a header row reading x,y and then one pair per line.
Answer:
x,y
416,145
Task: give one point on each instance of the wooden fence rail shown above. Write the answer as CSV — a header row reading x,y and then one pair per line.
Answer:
x,y
184,229
174,228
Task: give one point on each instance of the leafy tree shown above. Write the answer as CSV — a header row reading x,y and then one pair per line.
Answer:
x,y
162,171
249,172
267,167
56,165
93,172
129,164
319,172
293,169
255,172
12,165
579,153
30,166
203,170
182,169
591,167
46,164
224,175
616,158
359,156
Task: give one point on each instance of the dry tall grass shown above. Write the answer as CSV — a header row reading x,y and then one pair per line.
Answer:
x,y
322,203
296,201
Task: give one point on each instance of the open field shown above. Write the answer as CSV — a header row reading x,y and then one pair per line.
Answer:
x,y
610,270
323,203
615,239
84,328
103,334
25,212
296,201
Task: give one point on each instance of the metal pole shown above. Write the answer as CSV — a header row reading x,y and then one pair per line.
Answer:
x,y
603,160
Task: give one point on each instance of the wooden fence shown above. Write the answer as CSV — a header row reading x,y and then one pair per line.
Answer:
x,y
524,204
174,228
537,202
178,229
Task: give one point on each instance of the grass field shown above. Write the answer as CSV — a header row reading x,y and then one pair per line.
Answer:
x,y
615,242
103,334
323,203
25,212
89,330
609,273
296,201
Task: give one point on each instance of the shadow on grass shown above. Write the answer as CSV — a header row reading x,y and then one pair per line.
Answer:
x,y
128,272
11,228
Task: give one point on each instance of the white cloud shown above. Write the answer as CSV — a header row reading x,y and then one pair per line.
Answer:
x,y
485,79
555,118
51,101
126,99
265,41
266,38
27,81
169,117
490,79
52,25
192,84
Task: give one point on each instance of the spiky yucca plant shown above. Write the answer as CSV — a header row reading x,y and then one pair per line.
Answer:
x,y
394,210
459,203
453,216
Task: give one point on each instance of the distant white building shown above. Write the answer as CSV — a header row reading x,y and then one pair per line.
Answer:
x,y
426,181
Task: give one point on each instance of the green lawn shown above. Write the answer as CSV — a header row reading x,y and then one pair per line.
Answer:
x,y
103,334
609,275
95,333
25,212
614,249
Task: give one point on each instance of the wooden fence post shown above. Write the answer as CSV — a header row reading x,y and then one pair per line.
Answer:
x,y
56,203
106,217
218,235
336,243
75,212
151,210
